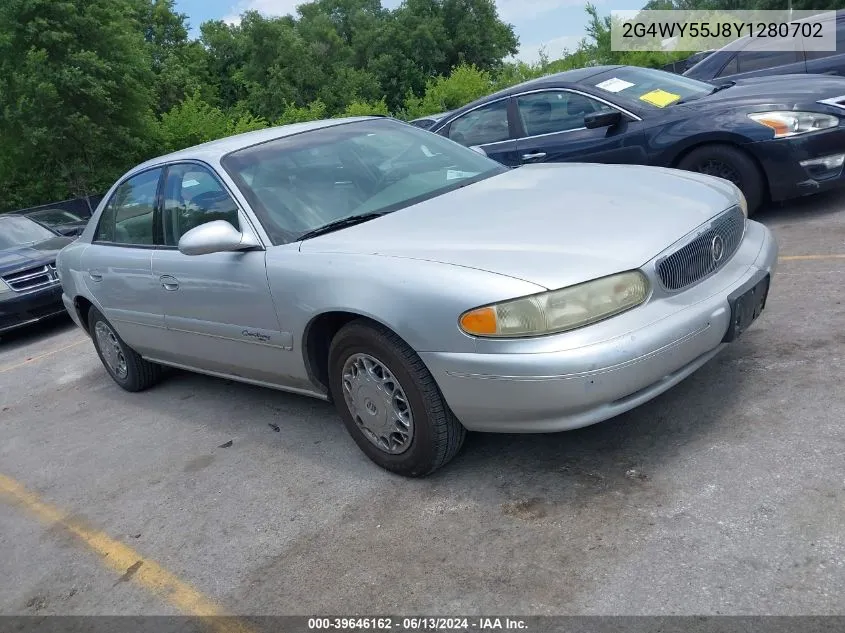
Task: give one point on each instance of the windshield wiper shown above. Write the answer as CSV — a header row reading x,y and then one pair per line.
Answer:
x,y
723,86
716,89
336,225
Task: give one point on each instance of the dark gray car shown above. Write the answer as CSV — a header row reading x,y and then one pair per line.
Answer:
x,y
737,60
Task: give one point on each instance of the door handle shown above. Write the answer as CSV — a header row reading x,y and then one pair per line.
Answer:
x,y
534,156
169,283
95,275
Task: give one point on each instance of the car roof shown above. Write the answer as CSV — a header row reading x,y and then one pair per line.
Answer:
x,y
213,151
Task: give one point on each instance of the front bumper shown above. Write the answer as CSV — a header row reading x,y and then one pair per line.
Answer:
x,y
638,355
781,161
18,310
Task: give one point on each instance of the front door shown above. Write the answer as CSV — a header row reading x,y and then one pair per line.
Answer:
x,y
218,310
554,131
117,266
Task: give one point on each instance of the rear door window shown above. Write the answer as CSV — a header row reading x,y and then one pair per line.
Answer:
x,y
128,216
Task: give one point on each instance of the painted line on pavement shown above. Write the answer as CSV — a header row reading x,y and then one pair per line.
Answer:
x,y
34,359
130,565
796,258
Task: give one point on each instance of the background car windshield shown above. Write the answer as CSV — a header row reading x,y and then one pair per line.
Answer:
x,y
55,216
19,231
299,183
648,87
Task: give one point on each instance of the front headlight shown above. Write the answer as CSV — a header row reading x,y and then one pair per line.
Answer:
x,y
4,287
558,310
792,123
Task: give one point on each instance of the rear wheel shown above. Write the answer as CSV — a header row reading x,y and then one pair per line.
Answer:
x,y
123,364
730,163
390,402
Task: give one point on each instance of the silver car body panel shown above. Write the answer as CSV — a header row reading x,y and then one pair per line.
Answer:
x,y
246,316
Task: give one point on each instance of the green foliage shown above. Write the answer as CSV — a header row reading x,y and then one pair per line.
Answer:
x,y
293,114
192,122
465,83
366,108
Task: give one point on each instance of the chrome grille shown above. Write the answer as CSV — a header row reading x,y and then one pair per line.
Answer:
x,y
32,278
705,254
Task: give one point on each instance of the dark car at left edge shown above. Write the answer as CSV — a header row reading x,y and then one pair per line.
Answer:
x,y
775,138
30,289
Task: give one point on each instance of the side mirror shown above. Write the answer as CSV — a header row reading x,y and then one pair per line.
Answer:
x,y
479,149
602,119
215,237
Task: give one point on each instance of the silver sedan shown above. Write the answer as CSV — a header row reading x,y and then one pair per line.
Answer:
x,y
423,288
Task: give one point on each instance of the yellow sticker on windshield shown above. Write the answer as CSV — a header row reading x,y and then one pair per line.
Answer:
x,y
660,98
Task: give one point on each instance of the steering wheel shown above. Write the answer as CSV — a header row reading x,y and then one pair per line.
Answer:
x,y
209,199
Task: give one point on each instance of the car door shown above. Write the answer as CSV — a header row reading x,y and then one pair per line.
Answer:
x,y
489,127
218,310
553,130
117,265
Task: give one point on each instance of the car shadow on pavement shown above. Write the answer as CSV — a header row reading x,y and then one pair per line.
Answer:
x,y
27,335
820,205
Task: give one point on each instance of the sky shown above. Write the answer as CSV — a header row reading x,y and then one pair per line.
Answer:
x,y
555,24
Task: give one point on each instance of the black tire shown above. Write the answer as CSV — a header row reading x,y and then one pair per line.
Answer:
x,y
139,373
730,163
437,434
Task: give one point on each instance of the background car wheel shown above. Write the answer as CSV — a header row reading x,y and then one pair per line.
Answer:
x,y
124,364
731,164
389,401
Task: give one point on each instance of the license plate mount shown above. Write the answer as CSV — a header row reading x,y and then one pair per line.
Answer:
x,y
747,303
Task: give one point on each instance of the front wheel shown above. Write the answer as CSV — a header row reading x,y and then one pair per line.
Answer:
x,y
389,401
729,163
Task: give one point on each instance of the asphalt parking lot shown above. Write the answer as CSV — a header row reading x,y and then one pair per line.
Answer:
x,y
726,495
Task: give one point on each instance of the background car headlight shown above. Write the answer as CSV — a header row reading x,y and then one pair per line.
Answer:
x,y
558,310
4,287
791,123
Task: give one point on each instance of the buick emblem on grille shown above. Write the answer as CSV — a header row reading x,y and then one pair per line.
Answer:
x,y
717,248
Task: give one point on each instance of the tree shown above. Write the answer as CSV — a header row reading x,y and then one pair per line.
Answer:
x,y
179,64
75,97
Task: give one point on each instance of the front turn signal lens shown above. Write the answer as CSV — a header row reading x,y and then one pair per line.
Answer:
x,y
481,321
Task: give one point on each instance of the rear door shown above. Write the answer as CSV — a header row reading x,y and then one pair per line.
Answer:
x,y
553,130
117,265
218,310
489,127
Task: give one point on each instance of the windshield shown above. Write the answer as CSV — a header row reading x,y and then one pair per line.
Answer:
x,y
299,183
20,231
54,216
649,87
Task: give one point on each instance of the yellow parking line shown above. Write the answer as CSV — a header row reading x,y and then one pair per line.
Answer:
x,y
40,356
130,564
795,258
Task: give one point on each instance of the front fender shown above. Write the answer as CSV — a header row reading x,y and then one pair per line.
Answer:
x,y
421,301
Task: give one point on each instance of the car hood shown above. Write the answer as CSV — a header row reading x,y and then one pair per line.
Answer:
x,y
781,91
18,257
553,225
